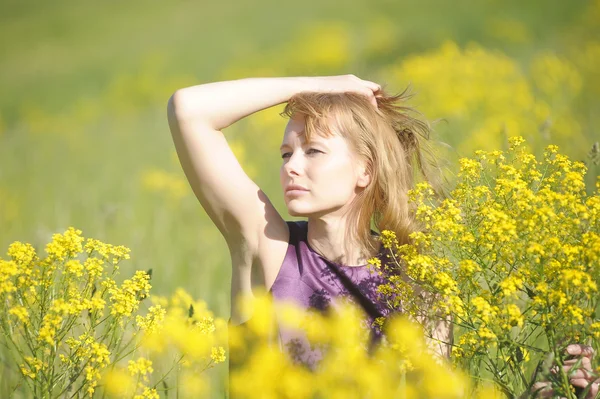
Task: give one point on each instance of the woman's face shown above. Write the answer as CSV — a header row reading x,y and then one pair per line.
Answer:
x,y
327,170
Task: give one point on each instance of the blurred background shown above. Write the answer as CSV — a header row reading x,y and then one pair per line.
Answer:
x,y
84,139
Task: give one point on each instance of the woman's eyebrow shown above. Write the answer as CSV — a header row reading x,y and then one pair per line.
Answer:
x,y
314,141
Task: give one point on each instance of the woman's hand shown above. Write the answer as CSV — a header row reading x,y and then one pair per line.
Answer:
x,y
344,84
581,378
584,375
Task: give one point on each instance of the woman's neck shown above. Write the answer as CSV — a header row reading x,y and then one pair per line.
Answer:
x,y
329,238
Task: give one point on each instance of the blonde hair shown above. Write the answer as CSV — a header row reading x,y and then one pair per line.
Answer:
x,y
392,142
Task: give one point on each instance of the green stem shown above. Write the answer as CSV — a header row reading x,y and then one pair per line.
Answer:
x,y
167,373
566,386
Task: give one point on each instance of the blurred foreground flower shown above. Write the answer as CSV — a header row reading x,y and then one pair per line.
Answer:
x,y
399,367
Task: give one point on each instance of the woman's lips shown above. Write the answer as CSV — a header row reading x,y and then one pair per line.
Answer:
x,y
295,192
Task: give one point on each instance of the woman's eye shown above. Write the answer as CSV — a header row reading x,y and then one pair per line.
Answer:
x,y
309,151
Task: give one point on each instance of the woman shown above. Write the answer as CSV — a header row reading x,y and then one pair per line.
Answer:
x,y
346,159
349,154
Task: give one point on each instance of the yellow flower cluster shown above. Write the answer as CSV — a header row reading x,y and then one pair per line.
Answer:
x,y
142,367
125,299
56,327
65,245
115,253
120,382
153,320
31,367
187,327
19,270
486,95
512,256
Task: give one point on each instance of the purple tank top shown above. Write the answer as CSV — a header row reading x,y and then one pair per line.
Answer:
x,y
313,282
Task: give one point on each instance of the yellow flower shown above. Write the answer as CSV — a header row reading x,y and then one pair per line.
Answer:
x,y
470,169
579,280
206,325
141,366
74,267
515,142
119,383
67,245
7,271
218,354
153,320
511,285
94,267
22,254
50,324
21,313
107,250
485,311
468,267
149,393
444,283
595,328
388,239
486,334
576,315
515,318
125,300
31,367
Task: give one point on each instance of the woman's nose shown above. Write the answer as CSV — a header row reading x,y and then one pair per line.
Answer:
x,y
293,166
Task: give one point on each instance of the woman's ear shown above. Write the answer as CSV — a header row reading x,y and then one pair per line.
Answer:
x,y
364,177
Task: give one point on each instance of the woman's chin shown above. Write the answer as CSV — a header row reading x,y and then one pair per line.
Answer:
x,y
297,212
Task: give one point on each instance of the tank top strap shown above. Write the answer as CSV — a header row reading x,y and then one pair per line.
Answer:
x,y
298,231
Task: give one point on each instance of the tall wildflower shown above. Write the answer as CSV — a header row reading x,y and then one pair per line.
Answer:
x,y
512,257
70,327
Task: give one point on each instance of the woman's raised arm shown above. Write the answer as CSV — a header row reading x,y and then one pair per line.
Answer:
x,y
197,114
220,104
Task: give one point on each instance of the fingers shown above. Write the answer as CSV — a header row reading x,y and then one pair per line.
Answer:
x,y
582,374
374,101
375,93
582,383
585,362
580,350
594,389
371,96
579,382
542,390
584,370
372,85
352,83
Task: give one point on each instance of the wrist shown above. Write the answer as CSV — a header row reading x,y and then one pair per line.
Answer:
x,y
300,84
